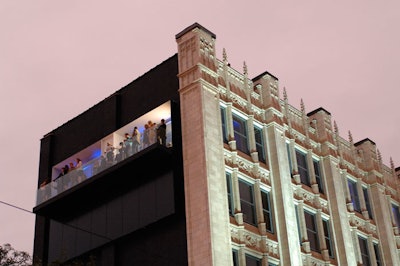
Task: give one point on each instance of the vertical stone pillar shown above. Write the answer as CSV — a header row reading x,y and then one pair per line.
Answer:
x,y
340,223
207,217
282,193
382,219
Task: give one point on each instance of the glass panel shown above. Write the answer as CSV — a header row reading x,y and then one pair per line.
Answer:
x,y
303,168
318,177
377,254
354,195
247,202
396,214
235,258
252,261
116,147
229,191
367,204
327,235
223,120
364,251
240,131
312,231
267,211
260,144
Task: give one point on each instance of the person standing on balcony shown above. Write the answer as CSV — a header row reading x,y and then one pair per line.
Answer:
x,y
136,139
127,145
162,133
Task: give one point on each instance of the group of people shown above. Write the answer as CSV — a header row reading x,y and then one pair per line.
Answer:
x,y
134,142
74,172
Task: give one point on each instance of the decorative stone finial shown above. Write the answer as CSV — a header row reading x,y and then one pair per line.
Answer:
x,y
224,56
245,68
285,97
379,156
392,164
351,138
303,109
335,126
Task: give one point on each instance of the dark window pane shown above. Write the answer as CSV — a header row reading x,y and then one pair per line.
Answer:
x,y
240,131
247,202
312,231
377,254
396,214
229,191
367,205
354,195
266,204
235,258
303,168
318,177
224,130
252,261
328,239
364,251
259,144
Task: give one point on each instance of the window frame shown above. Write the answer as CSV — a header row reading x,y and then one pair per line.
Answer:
x,y
240,133
367,202
354,197
267,212
260,145
364,251
318,175
231,205
255,259
312,231
247,205
302,167
225,137
328,237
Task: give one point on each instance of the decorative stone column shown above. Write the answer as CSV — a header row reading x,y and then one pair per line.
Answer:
x,y
207,217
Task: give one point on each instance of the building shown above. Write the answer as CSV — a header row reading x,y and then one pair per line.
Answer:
x,y
243,177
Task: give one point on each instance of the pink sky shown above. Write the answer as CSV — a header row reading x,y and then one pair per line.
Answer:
x,y
59,58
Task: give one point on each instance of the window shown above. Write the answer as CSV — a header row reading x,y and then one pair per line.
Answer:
x,y
377,254
247,202
229,192
354,194
364,251
367,204
224,128
312,231
318,178
240,131
327,236
235,258
259,144
266,205
298,223
289,159
396,215
252,261
303,168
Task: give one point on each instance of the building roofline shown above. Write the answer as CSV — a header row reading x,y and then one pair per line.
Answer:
x,y
364,140
193,26
262,74
317,110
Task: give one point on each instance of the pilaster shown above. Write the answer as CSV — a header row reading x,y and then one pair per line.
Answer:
x,y
286,225
207,217
336,197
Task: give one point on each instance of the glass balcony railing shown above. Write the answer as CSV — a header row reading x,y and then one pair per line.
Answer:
x,y
96,165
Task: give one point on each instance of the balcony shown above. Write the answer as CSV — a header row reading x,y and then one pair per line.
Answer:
x,y
92,162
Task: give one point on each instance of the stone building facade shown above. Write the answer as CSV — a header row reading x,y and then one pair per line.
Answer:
x,y
253,180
